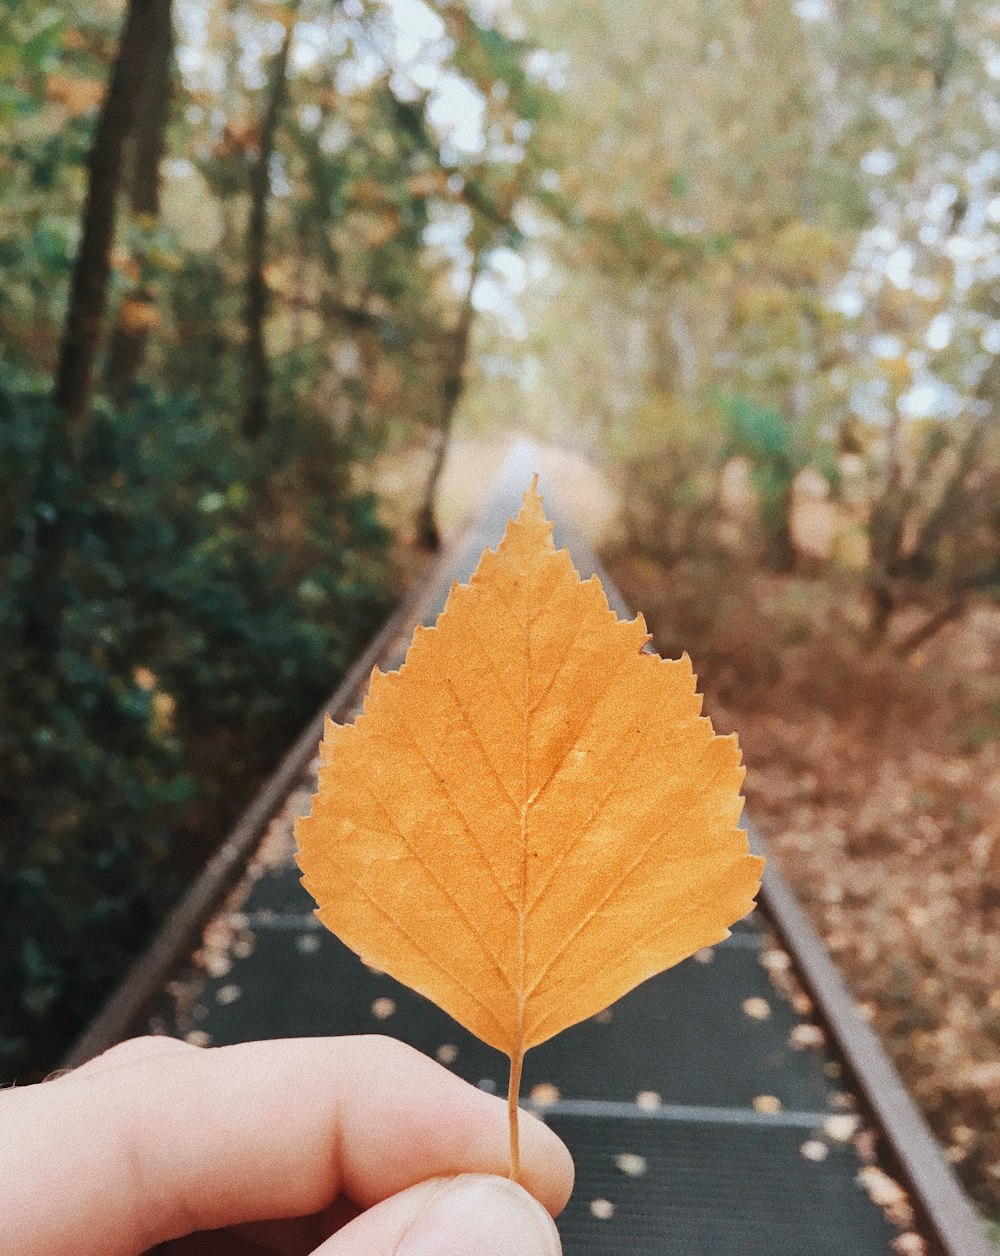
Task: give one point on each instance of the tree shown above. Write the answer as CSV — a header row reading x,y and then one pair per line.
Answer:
x,y
142,31
136,312
920,83
258,373
936,525
455,355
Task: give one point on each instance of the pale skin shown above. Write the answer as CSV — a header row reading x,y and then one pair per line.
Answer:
x,y
301,1147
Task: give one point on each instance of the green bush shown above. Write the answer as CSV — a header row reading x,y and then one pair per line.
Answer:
x,y
169,618
668,470
775,451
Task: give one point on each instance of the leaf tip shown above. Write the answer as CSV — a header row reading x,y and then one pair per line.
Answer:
x,y
532,511
333,733
642,630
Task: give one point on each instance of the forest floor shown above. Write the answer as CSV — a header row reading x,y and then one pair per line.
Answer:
x,y
876,784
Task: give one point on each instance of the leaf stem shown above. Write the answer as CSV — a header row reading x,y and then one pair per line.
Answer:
x,y
513,1093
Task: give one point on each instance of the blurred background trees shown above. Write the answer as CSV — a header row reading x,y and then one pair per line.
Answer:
x,y
767,252
260,260
238,246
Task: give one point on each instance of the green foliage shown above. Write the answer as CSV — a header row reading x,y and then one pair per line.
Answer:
x,y
669,477
761,434
30,35
488,57
162,639
776,453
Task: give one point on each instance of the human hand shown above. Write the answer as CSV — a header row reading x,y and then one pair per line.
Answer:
x,y
331,1146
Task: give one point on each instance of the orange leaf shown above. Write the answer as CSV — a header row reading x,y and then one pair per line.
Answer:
x,y
78,95
530,817
137,315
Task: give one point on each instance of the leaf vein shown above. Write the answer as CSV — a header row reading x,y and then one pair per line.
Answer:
x,y
441,885
498,675
635,943
462,710
580,730
592,912
424,953
592,818
457,811
559,670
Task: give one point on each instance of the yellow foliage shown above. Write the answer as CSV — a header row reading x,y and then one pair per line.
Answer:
x,y
803,252
137,315
76,95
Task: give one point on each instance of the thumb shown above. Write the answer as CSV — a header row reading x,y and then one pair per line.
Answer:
x,y
472,1215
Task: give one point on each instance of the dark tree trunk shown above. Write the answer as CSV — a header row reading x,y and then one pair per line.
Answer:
x,y
932,626
89,288
257,380
886,529
955,506
781,546
456,358
883,604
131,334
896,573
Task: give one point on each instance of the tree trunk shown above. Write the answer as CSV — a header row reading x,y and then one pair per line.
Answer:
x,y
428,533
257,380
883,604
128,344
955,507
932,626
885,530
781,547
89,287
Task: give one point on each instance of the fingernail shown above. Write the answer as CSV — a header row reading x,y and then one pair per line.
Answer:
x,y
480,1215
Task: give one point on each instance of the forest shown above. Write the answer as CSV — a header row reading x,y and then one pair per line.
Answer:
x,y
272,270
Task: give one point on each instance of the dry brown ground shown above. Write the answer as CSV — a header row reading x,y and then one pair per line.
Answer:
x,y
877,785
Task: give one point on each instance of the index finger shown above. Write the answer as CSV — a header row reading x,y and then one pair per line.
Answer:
x,y
115,1160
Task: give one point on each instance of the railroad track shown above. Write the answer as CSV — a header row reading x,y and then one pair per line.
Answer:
x,y
736,1105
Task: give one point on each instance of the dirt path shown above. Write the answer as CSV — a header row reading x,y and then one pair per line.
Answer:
x,y
564,476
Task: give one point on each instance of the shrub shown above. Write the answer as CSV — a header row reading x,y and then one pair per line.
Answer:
x,y
169,617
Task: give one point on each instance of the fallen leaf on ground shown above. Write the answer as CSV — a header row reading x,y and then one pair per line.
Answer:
x,y
842,1128
630,1164
803,1037
882,1190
